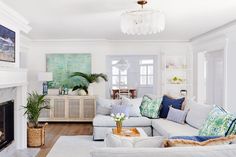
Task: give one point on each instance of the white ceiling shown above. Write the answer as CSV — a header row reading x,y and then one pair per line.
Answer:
x,y
100,19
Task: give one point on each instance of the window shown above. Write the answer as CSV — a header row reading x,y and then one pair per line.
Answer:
x,y
119,78
146,72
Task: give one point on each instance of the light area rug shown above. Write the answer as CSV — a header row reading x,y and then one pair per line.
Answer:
x,y
74,146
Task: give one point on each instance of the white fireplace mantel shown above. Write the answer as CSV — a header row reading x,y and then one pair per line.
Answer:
x,y
17,78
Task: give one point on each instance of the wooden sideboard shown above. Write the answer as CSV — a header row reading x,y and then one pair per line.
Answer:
x,y
69,108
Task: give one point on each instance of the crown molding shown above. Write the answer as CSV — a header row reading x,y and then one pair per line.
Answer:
x,y
213,31
110,41
14,17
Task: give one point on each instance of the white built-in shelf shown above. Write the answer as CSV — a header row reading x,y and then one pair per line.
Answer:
x,y
180,66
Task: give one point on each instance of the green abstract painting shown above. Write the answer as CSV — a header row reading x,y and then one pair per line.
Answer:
x,y
63,65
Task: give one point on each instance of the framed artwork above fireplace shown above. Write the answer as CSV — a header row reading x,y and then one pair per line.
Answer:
x,y
7,44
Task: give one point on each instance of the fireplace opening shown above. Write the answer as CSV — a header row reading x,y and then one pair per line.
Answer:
x,y
6,123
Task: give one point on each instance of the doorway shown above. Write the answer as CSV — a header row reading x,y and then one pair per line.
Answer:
x,y
211,77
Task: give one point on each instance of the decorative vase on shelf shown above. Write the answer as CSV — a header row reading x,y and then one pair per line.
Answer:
x,y
119,127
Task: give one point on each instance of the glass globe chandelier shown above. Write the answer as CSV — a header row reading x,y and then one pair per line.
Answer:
x,y
122,65
142,22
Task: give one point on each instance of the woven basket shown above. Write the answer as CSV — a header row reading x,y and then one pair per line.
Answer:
x,y
36,136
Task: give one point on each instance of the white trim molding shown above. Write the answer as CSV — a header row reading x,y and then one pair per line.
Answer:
x,y
14,18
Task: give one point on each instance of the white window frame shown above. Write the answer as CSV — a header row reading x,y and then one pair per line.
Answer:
x,y
147,75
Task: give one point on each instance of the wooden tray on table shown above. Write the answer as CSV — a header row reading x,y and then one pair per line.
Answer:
x,y
127,132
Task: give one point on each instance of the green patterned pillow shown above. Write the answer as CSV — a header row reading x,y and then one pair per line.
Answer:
x,y
150,107
217,124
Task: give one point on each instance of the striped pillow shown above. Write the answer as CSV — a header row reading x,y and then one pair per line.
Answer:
x,y
176,115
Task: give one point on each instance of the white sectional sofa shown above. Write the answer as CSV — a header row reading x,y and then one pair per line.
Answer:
x,y
153,127
162,127
206,151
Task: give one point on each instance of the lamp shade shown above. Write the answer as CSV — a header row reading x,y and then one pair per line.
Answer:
x,y
45,76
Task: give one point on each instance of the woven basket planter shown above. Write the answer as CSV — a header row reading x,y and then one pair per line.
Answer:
x,y
36,136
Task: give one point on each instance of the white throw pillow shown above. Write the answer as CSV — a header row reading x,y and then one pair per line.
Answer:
x,y
153,142
112,140
104,105
197,114
134,106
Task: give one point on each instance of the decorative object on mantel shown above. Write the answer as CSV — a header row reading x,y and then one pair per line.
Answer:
x,y
7,44
91,79
45,77
35,132
142,21
118,118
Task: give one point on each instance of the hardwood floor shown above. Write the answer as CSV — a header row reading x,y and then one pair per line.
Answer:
x,y
55,130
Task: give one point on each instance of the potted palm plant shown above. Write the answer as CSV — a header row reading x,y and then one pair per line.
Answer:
x,y
91,79
35,131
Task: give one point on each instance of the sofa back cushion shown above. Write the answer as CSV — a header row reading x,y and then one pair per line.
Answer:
x,y
134,104
197,114
167,102
104,105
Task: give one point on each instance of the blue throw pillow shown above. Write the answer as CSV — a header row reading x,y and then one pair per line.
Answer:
x,y
120,109
195,138
167,102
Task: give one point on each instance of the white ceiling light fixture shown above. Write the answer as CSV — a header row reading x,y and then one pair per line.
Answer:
x,y
122,65
143,21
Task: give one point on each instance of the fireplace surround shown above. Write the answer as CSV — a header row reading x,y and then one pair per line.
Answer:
x,y
6,123
13,86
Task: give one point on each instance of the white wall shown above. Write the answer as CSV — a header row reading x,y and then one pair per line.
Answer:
x,y
220,39
35,58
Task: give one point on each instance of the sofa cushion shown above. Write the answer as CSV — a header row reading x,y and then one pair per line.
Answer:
x,y
167,102
112,140
176,115
168,128
218,123
106,121
134,104
197,114
150,107
104,105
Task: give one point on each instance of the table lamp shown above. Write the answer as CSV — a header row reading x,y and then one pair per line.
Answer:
x,y
45,77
